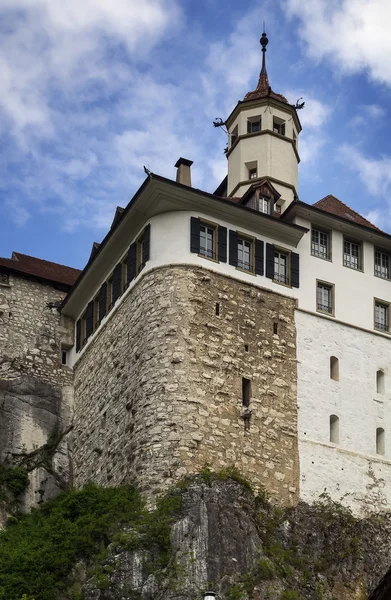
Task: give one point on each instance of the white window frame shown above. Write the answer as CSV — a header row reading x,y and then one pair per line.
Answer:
x,y
352,254
381,320
281,267
317,237
263,203
382,264
209,249
244,265
321,306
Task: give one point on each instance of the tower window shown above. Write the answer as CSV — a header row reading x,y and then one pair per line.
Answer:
x,y
246,391
380,387
294,139
334,429
254,124
381,316
334,368
252,173
234,135
380,441
278,126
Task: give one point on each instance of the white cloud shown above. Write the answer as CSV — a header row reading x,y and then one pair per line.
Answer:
x,y
368,115
352,34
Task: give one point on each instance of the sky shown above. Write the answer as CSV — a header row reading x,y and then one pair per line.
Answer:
x,y
93,91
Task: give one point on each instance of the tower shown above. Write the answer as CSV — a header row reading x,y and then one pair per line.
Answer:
x,y
263,146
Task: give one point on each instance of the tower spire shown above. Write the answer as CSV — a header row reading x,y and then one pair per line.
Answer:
x,y
264,42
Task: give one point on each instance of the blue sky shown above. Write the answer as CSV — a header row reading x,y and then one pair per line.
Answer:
x,y
91,91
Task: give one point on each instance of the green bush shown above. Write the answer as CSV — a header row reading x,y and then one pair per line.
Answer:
x,y
13,480
38,551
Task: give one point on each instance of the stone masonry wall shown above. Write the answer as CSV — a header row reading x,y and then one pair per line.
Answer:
x,y
158,392
36,393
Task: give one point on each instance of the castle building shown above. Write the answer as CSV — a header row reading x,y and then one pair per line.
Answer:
x,y
242,328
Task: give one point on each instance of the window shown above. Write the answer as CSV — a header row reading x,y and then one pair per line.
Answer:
x,y
281,267
252,173
63,357
320,243
234,135
246,391
324,297
278,126
380,441
294,139
381,316
334,429
246,254
382,264
264,205
352,254
140,253
207,240
380,387
254,124
334,368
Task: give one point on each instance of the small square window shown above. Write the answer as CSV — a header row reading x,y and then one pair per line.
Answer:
x,y
324,297
254,124
234,135
382,316
252,173
281,267
352,254
246,254
208,240
320,244
382,264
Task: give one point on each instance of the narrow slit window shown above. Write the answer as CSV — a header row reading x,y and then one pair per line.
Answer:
x,y
334,368
380,383
217,309
275,328
334,429
246,391
63,357
246,347
103,421
380,441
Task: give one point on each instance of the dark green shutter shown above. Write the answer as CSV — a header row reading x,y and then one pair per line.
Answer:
x,y
116,282
295,269
89,319
146,243
259,257
233,248
132,257
282,129
194,235
248,126
78,335
102,301
222,244
270,261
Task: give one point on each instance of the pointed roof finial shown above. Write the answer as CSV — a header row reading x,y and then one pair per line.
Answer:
x,y
264,42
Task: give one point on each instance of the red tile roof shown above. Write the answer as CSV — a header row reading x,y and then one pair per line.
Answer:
x,y
332,205
263,90
43,269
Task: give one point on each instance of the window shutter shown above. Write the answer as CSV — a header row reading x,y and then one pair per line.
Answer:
x,y
248,127
233,248
195,235
222,244
270,261
132,257
283,129
295,275
259,257
146,242
102,301
117,276
89,319
78,335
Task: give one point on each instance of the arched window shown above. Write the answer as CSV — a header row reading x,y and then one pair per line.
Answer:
x,y
380,384
380,441
334,368
334,429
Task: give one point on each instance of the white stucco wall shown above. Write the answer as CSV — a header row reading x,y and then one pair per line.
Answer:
x,y
350,471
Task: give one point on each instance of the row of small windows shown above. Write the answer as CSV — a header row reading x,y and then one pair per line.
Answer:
x,y
325,303
254,125
116,284
246,253
380,435
334,374
352,253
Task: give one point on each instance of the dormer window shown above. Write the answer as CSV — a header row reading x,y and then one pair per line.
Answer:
x,y
254,124
278,126
264,205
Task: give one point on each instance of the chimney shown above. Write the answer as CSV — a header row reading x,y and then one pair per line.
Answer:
x,y
183,174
